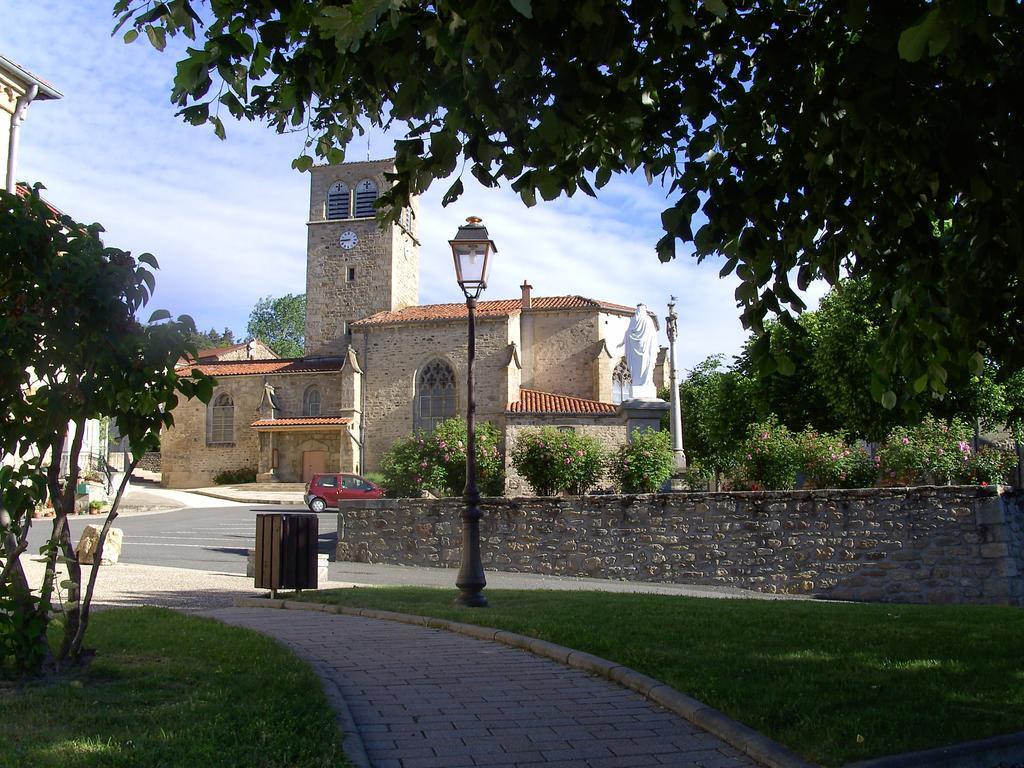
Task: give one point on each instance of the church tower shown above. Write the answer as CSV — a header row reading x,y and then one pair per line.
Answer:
x,y
353,267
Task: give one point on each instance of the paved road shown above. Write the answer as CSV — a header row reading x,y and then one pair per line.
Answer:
x,y
426,698
209,539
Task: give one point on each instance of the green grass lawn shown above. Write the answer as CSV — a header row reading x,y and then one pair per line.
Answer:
x,y
834,682
170,690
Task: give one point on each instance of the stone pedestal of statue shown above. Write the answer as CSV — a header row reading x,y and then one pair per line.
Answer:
x,y
642,414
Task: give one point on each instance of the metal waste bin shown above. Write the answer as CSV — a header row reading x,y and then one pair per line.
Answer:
x,y
286,548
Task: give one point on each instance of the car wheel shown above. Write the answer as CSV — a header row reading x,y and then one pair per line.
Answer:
x,y
318,505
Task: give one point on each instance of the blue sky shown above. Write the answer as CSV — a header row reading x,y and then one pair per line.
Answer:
x,y
226,219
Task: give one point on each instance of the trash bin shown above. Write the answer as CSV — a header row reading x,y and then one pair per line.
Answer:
x,y
286,549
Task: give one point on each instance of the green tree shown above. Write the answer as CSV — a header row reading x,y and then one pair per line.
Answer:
x,y
281,323
792,391
718,405
72,350
797,136
212,338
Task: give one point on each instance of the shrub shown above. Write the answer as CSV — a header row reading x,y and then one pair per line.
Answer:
x,y
645,463
934,452
988,466
234,476
829,462
436,462
551,460
770,456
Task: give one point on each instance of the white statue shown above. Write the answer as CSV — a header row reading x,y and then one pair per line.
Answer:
x,y
641,343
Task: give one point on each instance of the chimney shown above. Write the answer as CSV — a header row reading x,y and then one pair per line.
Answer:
x,y
527,301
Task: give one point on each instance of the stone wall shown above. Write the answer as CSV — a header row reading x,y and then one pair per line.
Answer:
x,y
391,356
949,544
188,461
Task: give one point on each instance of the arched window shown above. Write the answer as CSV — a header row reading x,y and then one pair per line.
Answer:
x,y
622,382
220,423
435,395
337,201
366,196
311,402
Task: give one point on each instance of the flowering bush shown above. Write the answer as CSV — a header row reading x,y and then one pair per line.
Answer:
x,y
436,462
770,456
551,460
829,462
645,463
988,466
933,452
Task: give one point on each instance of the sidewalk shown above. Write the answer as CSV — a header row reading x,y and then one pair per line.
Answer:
x,y
255,493
427,698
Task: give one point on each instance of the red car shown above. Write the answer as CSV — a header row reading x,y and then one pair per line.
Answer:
x,y
327,489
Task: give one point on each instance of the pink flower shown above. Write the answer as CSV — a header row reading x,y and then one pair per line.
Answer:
x,y
446,457
749,457
764,435
941,452
906,441
423,463
568,460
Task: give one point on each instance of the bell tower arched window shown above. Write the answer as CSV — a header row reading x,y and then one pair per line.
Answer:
x,y
220,420
435,396
338,201
366,196
311,402
622,382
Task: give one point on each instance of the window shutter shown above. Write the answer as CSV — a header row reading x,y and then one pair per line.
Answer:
x,y
337,202
366,196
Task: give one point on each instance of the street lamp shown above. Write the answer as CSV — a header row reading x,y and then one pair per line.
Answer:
x,y
471,249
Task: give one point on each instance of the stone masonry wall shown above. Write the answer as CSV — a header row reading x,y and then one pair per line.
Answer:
x,y
917,545
391,356
384,264
563,352
186,459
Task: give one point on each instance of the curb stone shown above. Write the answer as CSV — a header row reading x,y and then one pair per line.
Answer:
x,y
747,740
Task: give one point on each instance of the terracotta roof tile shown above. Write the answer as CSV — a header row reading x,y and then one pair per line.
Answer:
x,y
532,401
310,421
248,367
498,308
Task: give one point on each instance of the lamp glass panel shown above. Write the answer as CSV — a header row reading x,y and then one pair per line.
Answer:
x,y
472,259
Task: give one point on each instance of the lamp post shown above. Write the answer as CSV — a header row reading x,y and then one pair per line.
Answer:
x,y
676,421
471,249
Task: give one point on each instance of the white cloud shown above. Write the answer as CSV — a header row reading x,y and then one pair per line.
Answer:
x,y
227,219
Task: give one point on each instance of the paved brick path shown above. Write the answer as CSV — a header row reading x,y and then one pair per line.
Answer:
x,y
426,698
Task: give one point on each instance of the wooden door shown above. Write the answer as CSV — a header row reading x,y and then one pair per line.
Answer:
x,y
313,462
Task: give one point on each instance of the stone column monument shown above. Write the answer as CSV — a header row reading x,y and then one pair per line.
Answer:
x,y
675,414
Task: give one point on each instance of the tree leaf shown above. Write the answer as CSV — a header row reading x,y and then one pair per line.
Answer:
x,y
716,7
453,193
523,6
914,40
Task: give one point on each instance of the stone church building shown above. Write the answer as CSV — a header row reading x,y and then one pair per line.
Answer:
x,y
379,366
